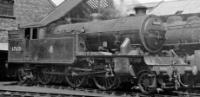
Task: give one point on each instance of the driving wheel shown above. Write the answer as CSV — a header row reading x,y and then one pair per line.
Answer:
x,y
74,78
147,82
44,77
106,83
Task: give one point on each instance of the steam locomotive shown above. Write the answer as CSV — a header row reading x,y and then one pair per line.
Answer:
x,y
110,52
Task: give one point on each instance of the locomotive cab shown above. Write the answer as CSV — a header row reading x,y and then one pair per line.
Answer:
x,y
16,45
30,33
29,45
19,43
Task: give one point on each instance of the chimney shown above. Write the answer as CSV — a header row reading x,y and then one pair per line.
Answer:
x,y
140,10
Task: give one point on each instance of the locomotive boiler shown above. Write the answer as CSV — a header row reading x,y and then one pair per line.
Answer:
x,y
144,31
183,36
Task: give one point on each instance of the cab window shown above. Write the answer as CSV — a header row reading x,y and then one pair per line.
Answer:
x,y
31,33
27,33
35,33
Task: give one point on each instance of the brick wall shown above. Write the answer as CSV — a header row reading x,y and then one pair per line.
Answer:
x,y
27,11
5,25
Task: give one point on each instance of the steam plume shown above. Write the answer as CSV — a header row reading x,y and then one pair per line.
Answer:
x,y
123,6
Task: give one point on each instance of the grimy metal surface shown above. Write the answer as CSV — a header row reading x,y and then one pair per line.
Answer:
x,y
42,51
183,33
16,50
16,46
121,24
58,50
147,31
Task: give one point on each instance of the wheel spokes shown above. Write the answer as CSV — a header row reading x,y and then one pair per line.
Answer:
x,y
185,79
21,74
106,83
147,82
44,77
74,79
25,75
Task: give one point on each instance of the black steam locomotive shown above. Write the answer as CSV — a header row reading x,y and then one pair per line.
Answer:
x,y
110,52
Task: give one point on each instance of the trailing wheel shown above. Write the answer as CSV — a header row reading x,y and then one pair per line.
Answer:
x,y
147,82
25,75
74,78
106,83
44,77
21,74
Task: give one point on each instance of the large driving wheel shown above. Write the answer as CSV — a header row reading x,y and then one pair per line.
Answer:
x,y
147,82
74,78
106,83
44,77
58,79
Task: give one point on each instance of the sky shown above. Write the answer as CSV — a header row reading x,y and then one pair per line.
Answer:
x,y
57,2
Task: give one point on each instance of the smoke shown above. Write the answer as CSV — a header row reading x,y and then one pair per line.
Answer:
x,y
123,6
118,8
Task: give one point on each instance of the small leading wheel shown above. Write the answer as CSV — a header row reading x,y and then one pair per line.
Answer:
x,y
186,81
74,79
106,83
147,82
44,77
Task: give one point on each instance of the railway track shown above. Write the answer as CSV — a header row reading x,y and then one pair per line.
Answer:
x,y
8,89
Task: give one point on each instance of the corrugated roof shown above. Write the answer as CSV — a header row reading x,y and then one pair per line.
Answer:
x,y
3,46
171,7
59,12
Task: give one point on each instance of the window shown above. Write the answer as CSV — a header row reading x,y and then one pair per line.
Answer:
x,y
27,33
31,33
35,33
6,7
